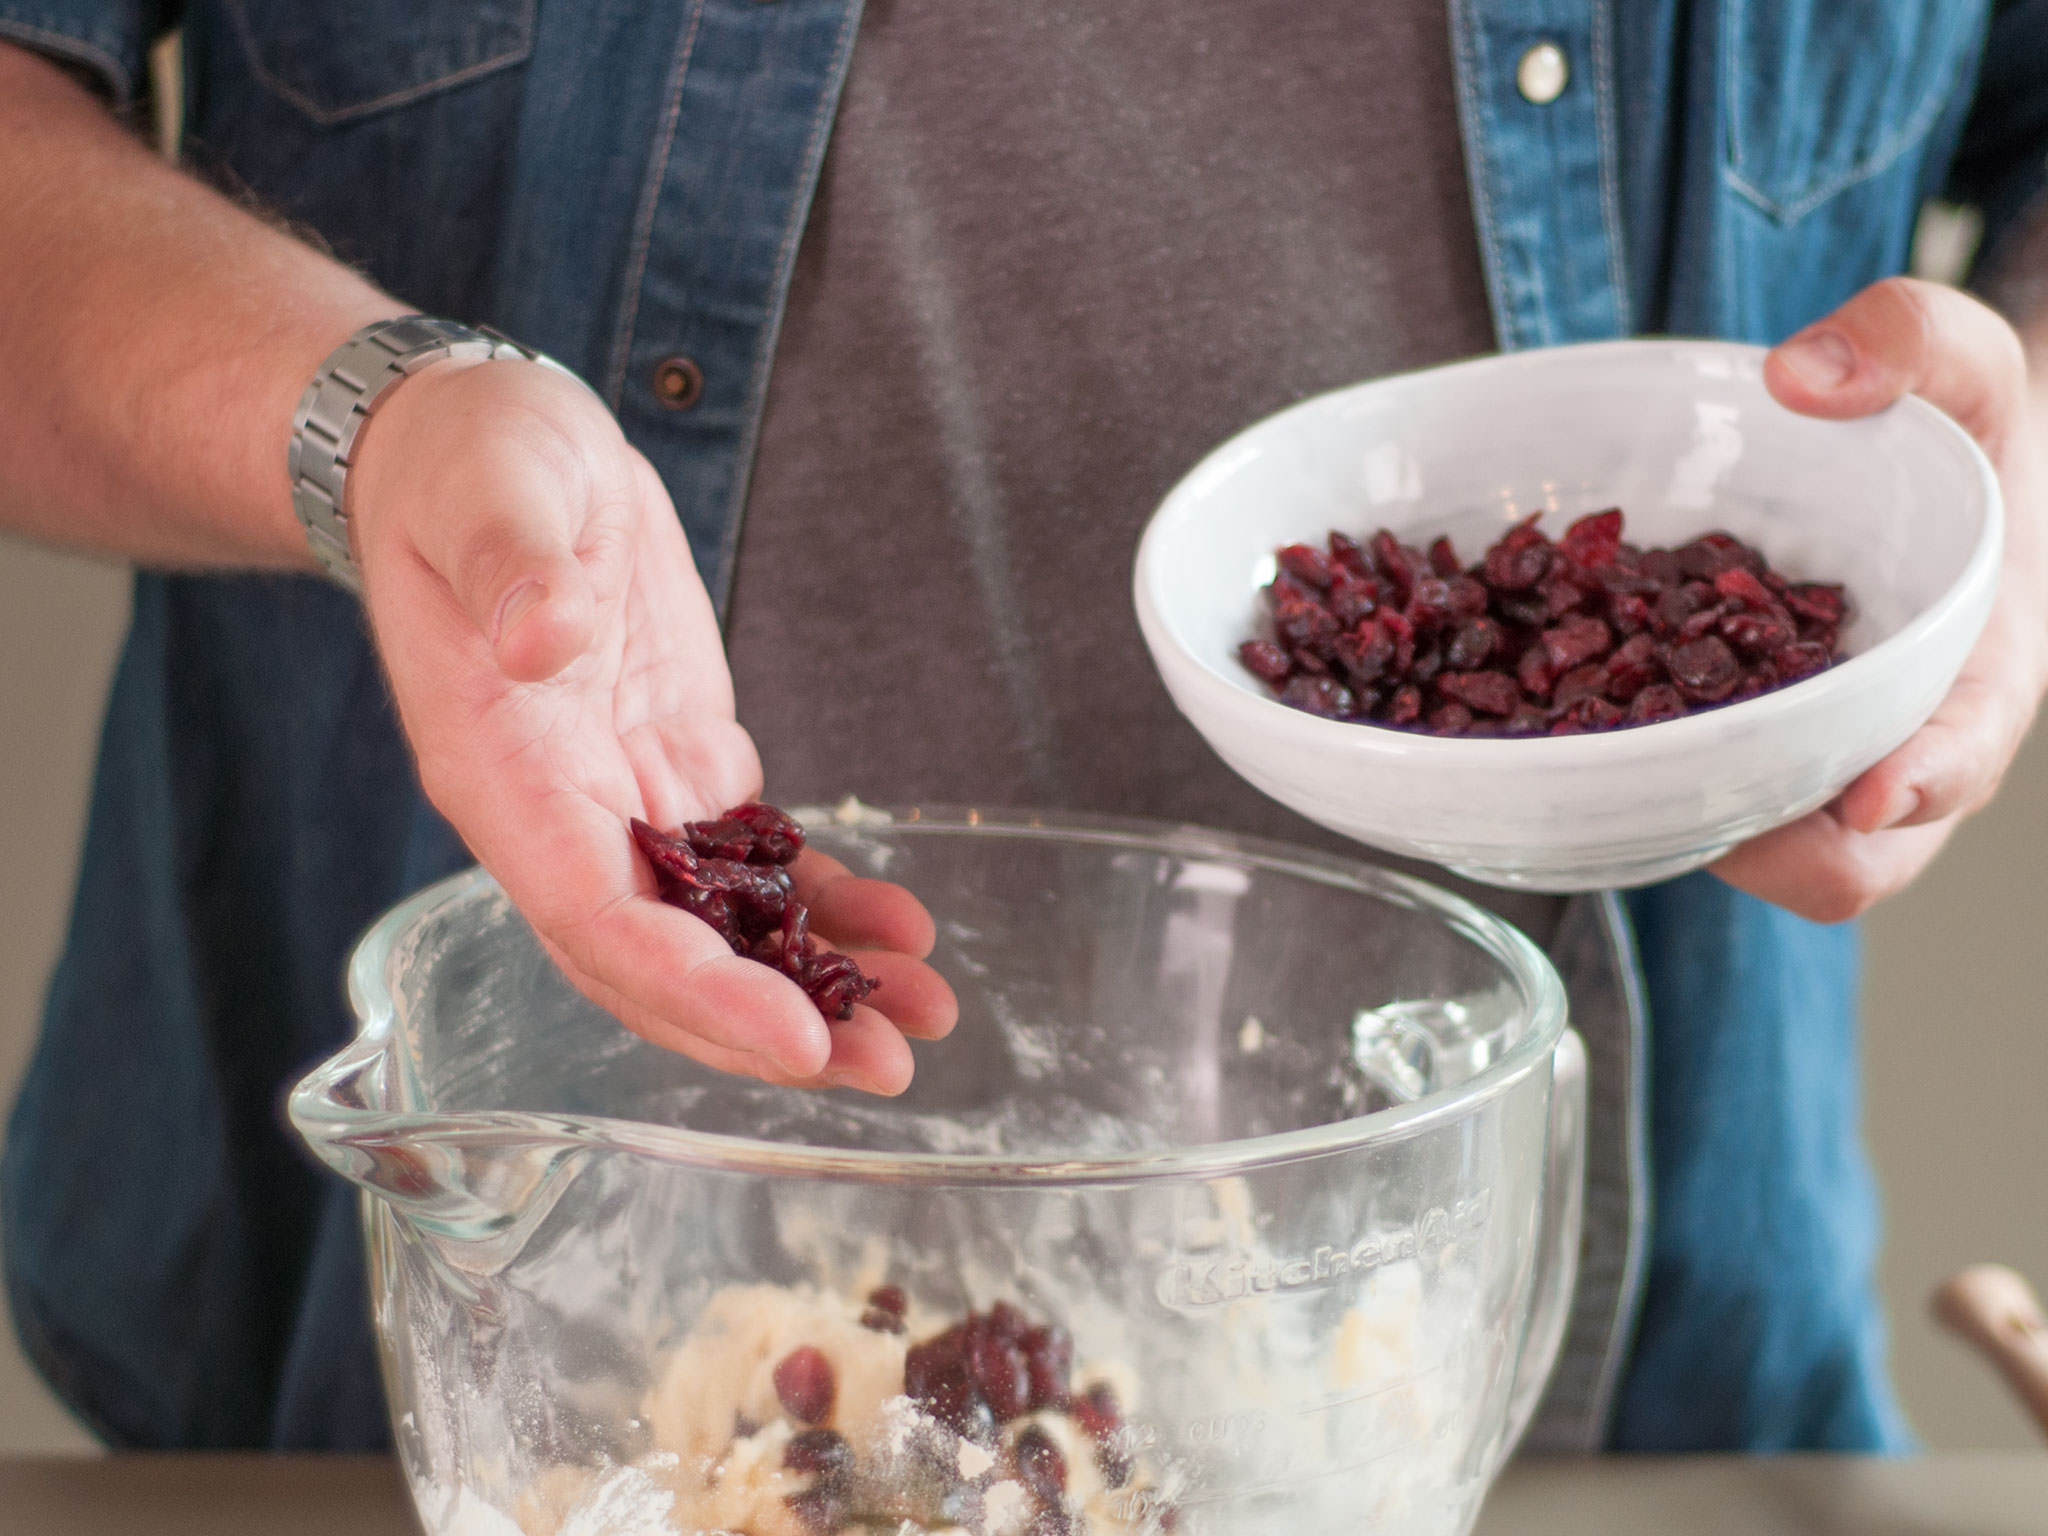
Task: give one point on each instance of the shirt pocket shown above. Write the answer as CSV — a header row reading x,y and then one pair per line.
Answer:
x,y
336,60
1823,94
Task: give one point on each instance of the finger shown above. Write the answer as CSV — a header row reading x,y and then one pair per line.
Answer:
x,y
693,987
502,529
1905,336
1827,872
1952,765
869,1053
659,1032
848,909
912,996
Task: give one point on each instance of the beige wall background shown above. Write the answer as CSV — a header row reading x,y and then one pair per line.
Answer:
x,y
1957,1054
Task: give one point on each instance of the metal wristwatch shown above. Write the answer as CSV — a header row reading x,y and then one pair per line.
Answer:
x,y
331,413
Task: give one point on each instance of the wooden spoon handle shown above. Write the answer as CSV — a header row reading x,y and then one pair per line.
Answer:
x,y
1995,1309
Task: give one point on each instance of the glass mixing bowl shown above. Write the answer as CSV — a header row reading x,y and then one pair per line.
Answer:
x,y
1289,1146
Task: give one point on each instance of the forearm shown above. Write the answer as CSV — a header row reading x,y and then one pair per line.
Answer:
x,y
154,340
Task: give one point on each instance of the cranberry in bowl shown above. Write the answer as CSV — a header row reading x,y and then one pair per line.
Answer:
x,y
1900,508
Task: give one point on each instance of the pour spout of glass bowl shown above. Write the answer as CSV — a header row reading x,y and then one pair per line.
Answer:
x,y
475,1184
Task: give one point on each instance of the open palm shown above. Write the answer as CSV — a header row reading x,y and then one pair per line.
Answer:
x,y
558,669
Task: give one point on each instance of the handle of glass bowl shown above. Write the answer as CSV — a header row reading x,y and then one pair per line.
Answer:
x,y
1557,1235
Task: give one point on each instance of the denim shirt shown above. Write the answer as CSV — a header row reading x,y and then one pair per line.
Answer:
x,y
619,183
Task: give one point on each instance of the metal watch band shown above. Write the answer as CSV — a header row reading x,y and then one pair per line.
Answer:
x,y
331,413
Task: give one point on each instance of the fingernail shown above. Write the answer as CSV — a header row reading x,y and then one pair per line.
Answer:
x,y
1905,802
842,1080
518,603
1821,359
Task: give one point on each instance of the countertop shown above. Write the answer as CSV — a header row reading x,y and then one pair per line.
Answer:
x,y
1956,1494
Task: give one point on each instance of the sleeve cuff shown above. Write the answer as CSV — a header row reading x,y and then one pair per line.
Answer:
x,y
108,41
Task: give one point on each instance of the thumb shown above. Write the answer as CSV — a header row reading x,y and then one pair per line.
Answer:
x,y
508,558
1904,336
476,469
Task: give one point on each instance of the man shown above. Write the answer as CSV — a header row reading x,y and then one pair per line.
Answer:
x,y
1054,253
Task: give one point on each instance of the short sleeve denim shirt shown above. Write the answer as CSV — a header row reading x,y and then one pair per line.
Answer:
x,y
621,181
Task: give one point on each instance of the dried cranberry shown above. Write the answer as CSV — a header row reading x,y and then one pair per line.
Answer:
x,y
1759,634
723,838
1347,554
1429,605
1472,645
1488,693
935,1378
731,873
1576,642
1365,653
1704,622
1265,661
1302,623
1591,713
1593,540
1632,668
777,837
835,984
1560,597
823,1451
1802,658
1705,670
1740,584
1536,673
1468,597
1587,682
1628,612
889,1298
1000,1374
1712,553
1040,1466
1049,1355
1519,561
1659,701
1318,696
804,1384
1351,599
1452,719
1096,1412
1817,600
1583,634
1398,564
1307,564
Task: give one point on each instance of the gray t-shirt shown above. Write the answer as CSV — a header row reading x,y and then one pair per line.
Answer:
x,y
1059,251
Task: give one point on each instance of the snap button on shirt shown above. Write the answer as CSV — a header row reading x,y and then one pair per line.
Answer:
x,y
678,382
1542,74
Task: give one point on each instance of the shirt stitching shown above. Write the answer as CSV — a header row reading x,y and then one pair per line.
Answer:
x,y
327,117
643,218
1887,153
1464,43
1610,165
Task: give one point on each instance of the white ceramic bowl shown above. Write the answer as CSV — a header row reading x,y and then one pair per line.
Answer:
x,y
1902,506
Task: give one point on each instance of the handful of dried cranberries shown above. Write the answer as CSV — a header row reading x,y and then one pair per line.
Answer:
x,y
1538,638
733,872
